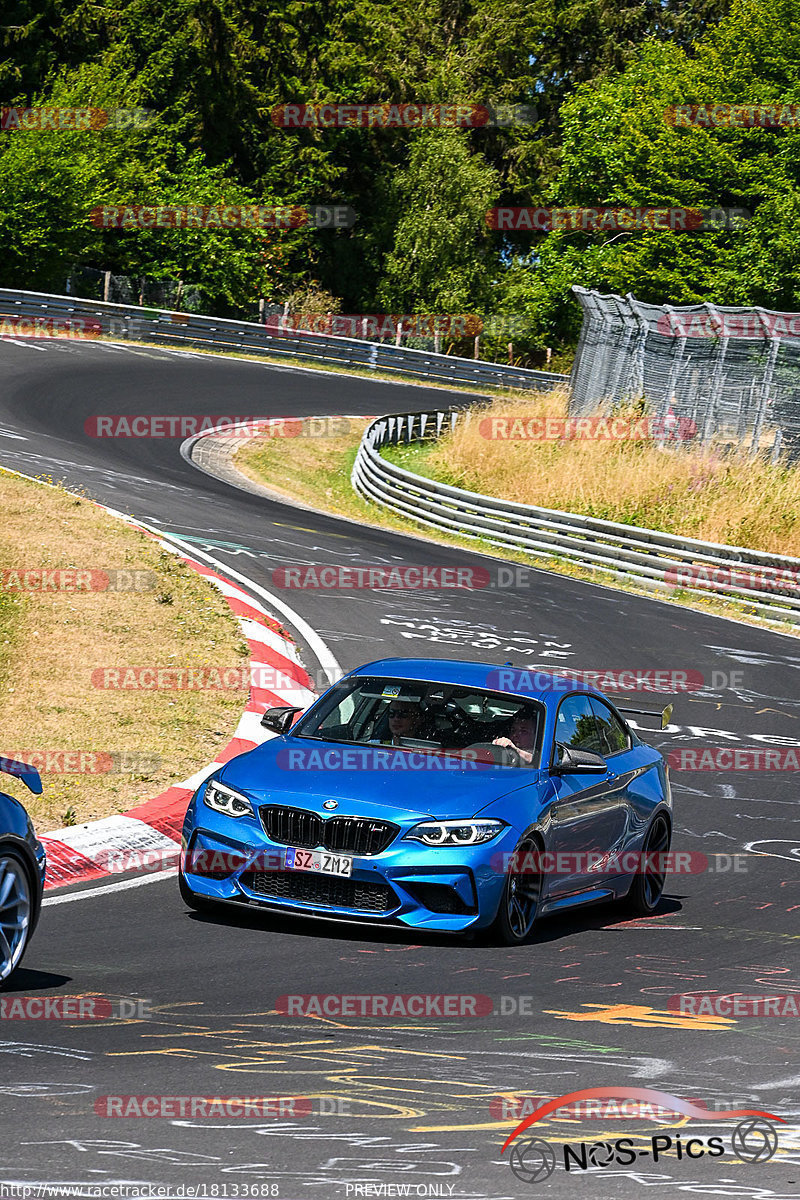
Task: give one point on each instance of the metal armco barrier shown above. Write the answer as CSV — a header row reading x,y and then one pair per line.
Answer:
x,y
219,333
767,583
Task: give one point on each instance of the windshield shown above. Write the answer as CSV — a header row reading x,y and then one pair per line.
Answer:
x,y
433,718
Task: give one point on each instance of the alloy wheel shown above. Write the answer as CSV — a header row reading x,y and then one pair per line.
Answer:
x,y
15,912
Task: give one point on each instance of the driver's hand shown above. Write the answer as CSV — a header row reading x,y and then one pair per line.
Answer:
x,y
525,756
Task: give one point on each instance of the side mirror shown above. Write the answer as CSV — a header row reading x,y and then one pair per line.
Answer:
x,y
572,761
279,720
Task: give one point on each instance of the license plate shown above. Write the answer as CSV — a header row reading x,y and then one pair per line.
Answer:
x,y
319,861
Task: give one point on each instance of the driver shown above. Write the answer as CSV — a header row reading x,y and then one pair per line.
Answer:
x,y
405,720
521,735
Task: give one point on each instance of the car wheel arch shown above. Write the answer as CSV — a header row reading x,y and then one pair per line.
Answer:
x,y
23,851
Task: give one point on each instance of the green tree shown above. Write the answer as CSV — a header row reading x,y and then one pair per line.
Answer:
x,y
619,149
440,261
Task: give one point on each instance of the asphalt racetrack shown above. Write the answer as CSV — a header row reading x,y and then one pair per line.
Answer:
x,y
405,1106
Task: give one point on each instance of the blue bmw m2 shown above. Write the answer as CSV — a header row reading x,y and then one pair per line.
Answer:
x,y
436,795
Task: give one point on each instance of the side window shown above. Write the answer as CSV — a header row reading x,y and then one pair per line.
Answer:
x,y
576,725
613,734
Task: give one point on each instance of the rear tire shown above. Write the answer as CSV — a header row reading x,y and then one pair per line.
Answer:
x,y
648,885
519,904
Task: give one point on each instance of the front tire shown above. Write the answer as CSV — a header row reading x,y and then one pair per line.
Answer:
x,y
519,904
16,912
190,898
648,884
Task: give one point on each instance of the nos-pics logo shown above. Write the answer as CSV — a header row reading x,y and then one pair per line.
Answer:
x,y
754,1139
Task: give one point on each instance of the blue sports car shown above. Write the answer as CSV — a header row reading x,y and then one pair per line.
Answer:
x,y
22,870
440,795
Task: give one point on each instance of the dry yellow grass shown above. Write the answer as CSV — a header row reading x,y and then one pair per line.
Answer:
x,y
53,641
710,494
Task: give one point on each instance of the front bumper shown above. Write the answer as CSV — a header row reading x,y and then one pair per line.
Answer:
x,y
408,884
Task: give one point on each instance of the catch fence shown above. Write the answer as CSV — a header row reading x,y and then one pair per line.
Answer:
x,y
734,372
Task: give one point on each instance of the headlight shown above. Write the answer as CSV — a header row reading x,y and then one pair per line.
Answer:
x,y
455,833
224,800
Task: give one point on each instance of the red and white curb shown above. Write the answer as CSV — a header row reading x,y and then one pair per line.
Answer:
x,y
148,836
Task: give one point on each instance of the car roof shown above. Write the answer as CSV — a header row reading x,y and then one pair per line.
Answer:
x,y
526,682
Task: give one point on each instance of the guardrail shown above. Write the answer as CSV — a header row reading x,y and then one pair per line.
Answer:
x,y
220,333
766,583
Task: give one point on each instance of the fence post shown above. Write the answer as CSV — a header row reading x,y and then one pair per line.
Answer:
x,y
766,384
638,386
106,286
720,355
745,408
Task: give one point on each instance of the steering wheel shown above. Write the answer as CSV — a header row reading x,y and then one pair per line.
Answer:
x,y
487,752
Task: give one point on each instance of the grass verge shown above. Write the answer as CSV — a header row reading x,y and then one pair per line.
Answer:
x,y
127,745
714,493
316,472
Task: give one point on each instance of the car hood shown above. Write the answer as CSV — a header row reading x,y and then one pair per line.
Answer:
x,y
390,794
